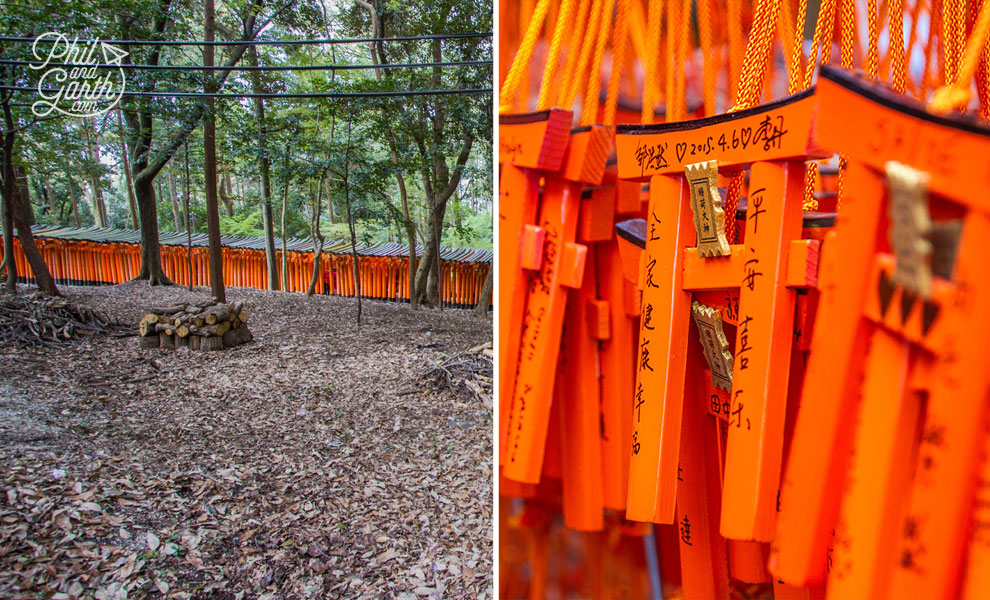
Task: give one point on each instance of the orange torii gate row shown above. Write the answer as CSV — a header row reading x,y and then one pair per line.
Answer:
x,y
103,256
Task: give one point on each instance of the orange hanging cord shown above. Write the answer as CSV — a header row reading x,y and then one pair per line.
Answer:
x,y
748,91
756,63
735,62
873,36
898,61
578,82
651,87
589,112
710,73
620,41
574,53
957,94
521,61
564,20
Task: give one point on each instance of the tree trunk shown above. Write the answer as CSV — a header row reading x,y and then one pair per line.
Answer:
x,y
151,253
75,205
427,276
25,187
224,191
93,152
127,173
185,155
318,240
140,124
210,167
42,276
266,188
486,291
49,201
176,212
285,201
8,244
439,184
350,216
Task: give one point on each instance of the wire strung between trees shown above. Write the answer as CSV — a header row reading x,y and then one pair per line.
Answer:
x,y
402,93
408,38
467,63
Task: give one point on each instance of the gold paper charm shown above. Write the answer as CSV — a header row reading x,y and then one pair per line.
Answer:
x,y
709,322
910,227
706,204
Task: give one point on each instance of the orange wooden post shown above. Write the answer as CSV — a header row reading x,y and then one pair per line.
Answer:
x,y
562,267
762,353
704,564
618,355
930,552
873,504
577,392
528,145
748,560
977,576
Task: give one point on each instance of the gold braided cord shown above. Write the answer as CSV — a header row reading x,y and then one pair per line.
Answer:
x,y
897,58
758,51
564,20
796,69
953,34
520,63
957,94
823,25
983,77
620,41
873,37
846,34
732,194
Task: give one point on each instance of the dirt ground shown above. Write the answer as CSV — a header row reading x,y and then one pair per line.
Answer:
x,y
320,460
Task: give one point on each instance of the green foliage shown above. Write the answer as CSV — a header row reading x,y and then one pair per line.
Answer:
x,y
305,140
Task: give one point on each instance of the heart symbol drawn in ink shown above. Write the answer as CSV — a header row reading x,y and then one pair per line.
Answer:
x,y
746,133
681,150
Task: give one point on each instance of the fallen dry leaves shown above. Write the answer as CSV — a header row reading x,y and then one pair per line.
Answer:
x,y
317,461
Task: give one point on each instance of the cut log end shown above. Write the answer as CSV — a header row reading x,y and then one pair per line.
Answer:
x,y
166,340
149,342
236,337
211,343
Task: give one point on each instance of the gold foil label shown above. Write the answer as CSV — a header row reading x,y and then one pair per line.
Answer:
x,y
716,345
706,204
910,227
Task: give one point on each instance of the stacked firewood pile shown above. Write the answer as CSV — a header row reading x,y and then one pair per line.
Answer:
x,y
206,326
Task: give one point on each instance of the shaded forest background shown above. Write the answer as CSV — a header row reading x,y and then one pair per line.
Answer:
x,y
414,168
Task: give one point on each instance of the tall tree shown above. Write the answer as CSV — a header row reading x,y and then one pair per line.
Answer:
x,y
265,168
15,215
210,162
139,115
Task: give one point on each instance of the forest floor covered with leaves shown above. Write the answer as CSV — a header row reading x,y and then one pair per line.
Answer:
x,y
322,459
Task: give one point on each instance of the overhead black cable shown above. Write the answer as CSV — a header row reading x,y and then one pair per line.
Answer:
x,y
400,93
410,38
470,63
